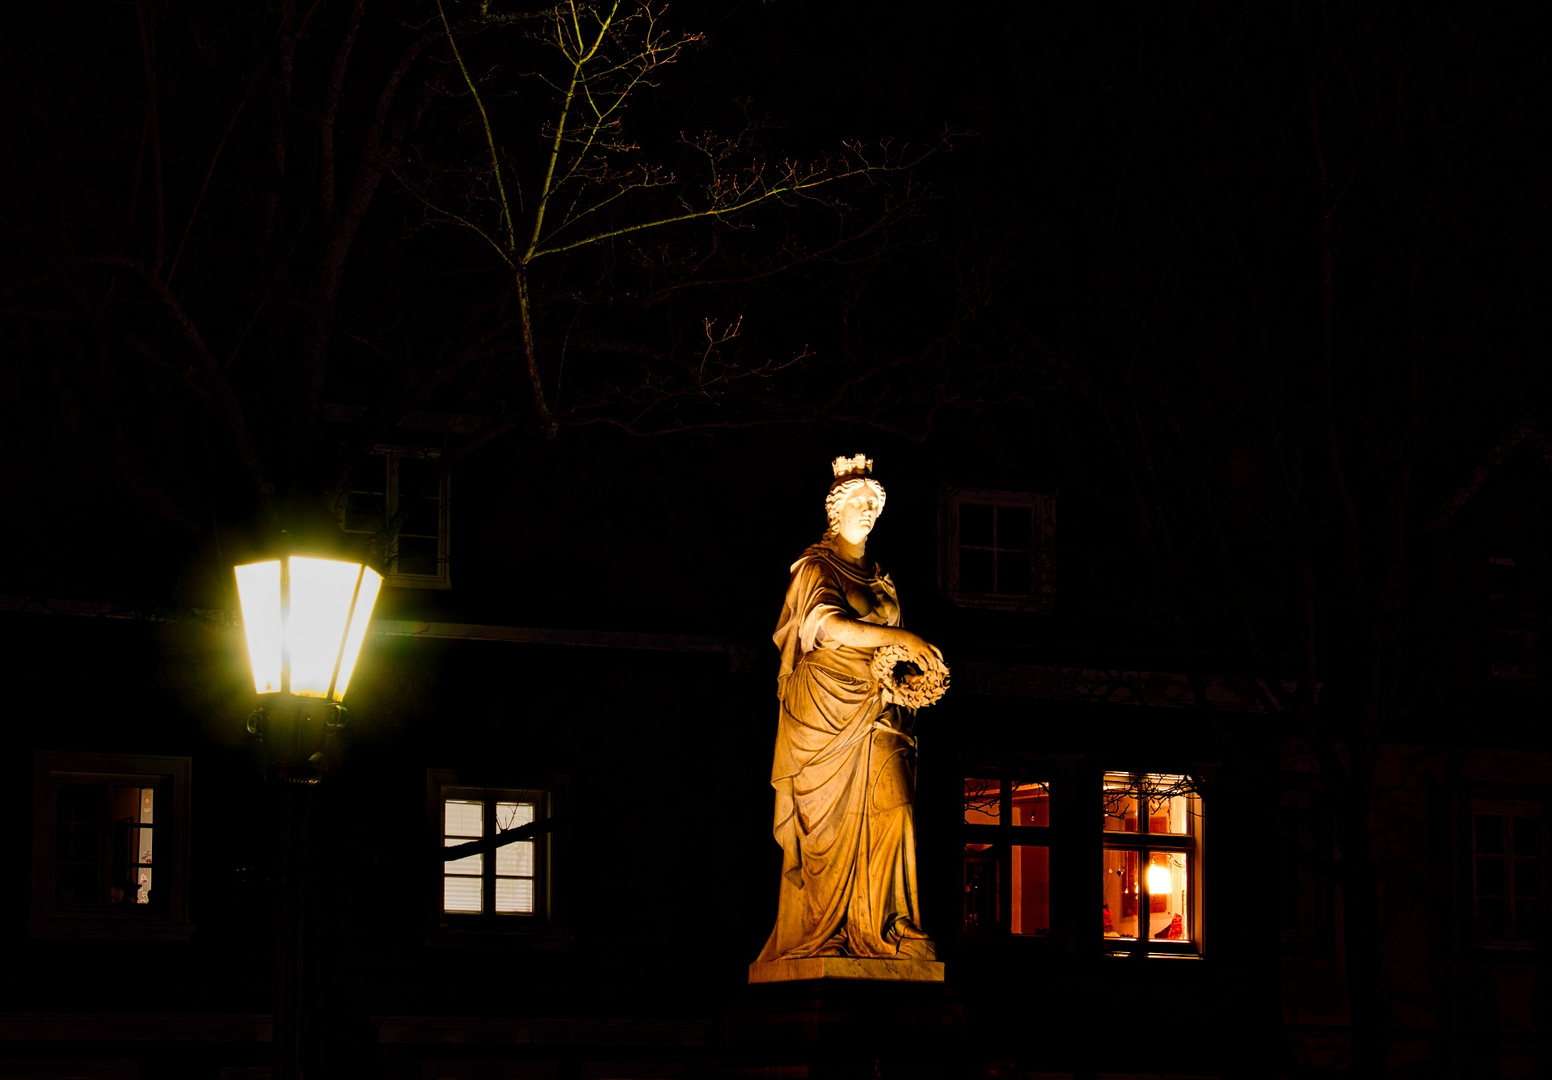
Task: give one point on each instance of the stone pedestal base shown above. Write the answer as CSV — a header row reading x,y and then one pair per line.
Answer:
x,y
838,1009
846,967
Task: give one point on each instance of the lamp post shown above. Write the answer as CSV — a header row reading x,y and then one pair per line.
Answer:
x,y
305,619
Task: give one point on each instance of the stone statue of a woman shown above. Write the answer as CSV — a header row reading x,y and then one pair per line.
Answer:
x,y
844,771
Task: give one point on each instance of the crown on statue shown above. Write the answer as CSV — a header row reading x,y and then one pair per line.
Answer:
x,y
847,467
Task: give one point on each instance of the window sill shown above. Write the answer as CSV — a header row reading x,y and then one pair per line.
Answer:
x,y
1040,605
416,581
535,938
1184,951
98,928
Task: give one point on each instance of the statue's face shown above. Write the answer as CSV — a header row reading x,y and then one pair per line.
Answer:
x,y
859,513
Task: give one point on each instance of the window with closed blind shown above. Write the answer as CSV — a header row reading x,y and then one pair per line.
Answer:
x,y
501,881
495,856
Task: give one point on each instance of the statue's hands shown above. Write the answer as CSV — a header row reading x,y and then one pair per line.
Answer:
x,y
922,653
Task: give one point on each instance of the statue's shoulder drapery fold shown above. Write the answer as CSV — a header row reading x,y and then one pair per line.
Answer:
x,y
813,593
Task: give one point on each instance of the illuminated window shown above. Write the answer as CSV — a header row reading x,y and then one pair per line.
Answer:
x,y
1508,873
501,880
496,870
404,495
1007,857
999,550
1152,841
110,843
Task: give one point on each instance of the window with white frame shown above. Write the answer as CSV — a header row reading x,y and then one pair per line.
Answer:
x,y
502,881
110,846
403,495
998,549
495,855
1508,873
1151,863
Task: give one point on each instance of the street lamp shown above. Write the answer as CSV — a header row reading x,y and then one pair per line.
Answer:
x,y
305,619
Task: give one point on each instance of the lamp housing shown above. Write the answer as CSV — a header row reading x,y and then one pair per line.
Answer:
x,y
305,619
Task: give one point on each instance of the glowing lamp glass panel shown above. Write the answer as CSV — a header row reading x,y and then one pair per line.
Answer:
x,y
366,597
321,591
258,590
314,623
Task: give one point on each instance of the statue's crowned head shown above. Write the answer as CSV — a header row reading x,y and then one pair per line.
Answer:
x,y
851,473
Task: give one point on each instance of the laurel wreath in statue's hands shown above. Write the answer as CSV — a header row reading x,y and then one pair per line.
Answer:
x,y
904,682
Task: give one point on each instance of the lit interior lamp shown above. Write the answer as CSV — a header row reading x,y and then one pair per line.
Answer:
x,y
1160,880
305,620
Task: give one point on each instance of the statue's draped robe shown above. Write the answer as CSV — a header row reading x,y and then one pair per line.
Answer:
x,y
844,775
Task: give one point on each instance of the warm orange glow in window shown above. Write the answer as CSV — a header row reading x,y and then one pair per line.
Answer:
x,y
1151,842
1007,863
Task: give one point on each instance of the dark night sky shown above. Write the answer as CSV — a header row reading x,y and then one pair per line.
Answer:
x,y
1138,200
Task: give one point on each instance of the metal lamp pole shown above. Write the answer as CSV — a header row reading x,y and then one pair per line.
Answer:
x,y
305,620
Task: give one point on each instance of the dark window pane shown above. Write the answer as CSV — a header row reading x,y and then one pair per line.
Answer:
x,y
80,802
1490,876
77,843
76,883
1013,528
125,839
364,511
1491,920
1509,611
418,477
975,524
1527,920
1292,889
1527,877
1013,572
975,571
123,886
980,892
1527,836
1489,834
420,516
417,555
